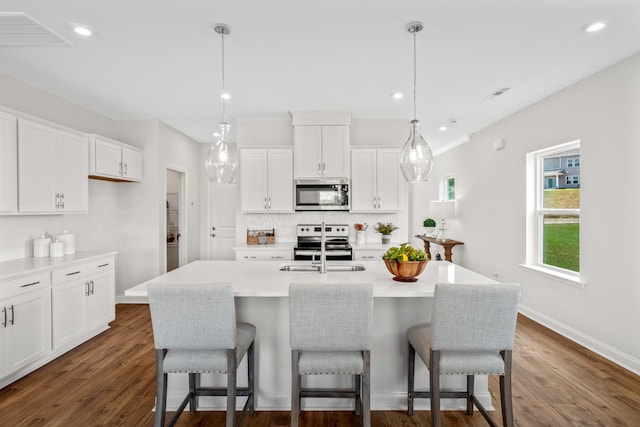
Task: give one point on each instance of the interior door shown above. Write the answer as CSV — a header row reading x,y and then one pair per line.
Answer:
x,y
223,204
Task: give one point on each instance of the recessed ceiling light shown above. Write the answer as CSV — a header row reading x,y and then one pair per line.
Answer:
x,y
225,95
397,95
443,128
82,30
594,27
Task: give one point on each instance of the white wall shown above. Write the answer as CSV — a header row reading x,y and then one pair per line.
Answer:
x,y
602,111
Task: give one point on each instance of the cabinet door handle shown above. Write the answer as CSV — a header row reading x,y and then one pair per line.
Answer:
x,y
75,272
125,169
61,200
57,200
13,315
29,284
86,289
120,168
269,199
92,288
103,265
4,312
265,203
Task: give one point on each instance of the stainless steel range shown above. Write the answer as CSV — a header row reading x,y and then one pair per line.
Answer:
x,y
337,246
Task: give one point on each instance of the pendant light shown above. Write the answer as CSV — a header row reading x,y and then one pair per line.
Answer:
x,y
416,159
221,161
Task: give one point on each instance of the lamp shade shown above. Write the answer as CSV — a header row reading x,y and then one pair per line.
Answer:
x,y
440,209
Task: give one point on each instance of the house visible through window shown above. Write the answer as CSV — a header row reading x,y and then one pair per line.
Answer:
x,y
553,220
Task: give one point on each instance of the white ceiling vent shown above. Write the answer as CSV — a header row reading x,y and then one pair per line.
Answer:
x,y
19,29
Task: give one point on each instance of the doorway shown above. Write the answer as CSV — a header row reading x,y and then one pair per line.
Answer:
x,y
174,223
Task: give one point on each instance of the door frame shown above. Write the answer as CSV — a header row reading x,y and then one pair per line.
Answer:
x,y
182,214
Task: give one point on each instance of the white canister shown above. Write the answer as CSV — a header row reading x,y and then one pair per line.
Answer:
x,y
360,237
69,241
56,249
41,247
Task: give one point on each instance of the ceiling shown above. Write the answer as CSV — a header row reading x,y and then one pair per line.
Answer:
x,y
160,59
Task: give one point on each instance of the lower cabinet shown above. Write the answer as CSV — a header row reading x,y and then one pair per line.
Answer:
x,y
25,316
263,254
83,299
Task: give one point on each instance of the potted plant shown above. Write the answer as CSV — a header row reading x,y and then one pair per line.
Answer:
x,y
405,262
429,225
385,228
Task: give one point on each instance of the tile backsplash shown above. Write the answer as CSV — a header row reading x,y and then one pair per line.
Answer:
x,y
285,224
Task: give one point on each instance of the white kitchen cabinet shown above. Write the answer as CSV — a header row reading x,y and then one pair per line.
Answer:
x,y
263,254
83,300
321,151
376,180
52,169
25,322
8,163
266,180
360,254
113,160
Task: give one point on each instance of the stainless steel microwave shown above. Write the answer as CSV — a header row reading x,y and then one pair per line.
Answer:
x,y
322,194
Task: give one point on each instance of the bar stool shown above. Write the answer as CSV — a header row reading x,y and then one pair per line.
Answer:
x,y
471,333
330,329
195,331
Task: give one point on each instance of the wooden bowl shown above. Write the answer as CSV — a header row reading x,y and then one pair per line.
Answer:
x,y
405,271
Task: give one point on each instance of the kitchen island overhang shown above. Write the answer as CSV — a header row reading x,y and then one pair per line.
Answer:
x,y
261,291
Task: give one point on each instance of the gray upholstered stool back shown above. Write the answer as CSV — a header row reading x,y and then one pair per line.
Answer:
x,y
474,317
193,316
331,317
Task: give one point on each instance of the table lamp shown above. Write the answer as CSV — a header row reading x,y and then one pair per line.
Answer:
x,y
443,210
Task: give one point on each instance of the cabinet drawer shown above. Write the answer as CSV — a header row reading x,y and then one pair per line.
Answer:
x,y
91,267
360,255
24,284
263,255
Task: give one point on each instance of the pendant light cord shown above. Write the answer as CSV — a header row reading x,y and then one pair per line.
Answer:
x,y
415,115
224,109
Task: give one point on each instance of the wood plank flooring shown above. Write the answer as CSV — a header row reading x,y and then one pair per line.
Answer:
x,y
110,381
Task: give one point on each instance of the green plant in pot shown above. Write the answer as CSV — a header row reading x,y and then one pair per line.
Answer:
x,y
405,262
385,228
429,225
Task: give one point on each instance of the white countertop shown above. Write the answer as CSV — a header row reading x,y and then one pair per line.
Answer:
x,y
24,266
264,279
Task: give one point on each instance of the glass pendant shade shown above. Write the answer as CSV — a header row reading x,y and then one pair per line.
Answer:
x,y
221,161
416,159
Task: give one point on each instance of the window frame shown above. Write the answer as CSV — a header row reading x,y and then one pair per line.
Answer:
x,y
444,187
536,212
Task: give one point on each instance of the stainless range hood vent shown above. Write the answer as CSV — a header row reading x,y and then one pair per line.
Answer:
x,y
19,29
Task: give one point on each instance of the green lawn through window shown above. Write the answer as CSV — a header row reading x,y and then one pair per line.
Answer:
x,y
561,245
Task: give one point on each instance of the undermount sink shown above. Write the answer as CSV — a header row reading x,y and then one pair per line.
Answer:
x,y
330,267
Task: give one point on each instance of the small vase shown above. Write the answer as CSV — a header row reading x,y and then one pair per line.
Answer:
x,y
386,239
428,231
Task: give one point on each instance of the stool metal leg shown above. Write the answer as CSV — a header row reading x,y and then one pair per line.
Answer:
x,y
366,389
231,386
295,388
434,387
161,390
410,379
251,377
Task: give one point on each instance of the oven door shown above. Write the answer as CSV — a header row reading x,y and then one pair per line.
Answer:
x,y
314,255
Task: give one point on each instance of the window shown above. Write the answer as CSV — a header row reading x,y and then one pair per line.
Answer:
x,y
553,215
569,163
576,162
448,188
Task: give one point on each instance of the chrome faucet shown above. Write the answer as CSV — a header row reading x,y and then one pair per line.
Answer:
x,y
323,251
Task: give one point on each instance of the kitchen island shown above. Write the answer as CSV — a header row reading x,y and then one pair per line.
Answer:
x,y
262,299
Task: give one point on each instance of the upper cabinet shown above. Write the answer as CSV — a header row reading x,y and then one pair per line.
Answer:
x,y
113,160
8,163
321,151
266,180
376,180
52,169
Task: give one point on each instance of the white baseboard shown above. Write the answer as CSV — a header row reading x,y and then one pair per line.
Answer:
x,y
616,356
123,299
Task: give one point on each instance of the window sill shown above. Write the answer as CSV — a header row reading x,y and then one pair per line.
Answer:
x,y
554,274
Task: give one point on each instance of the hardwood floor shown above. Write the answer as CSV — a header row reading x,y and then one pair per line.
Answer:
x,y
110,381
